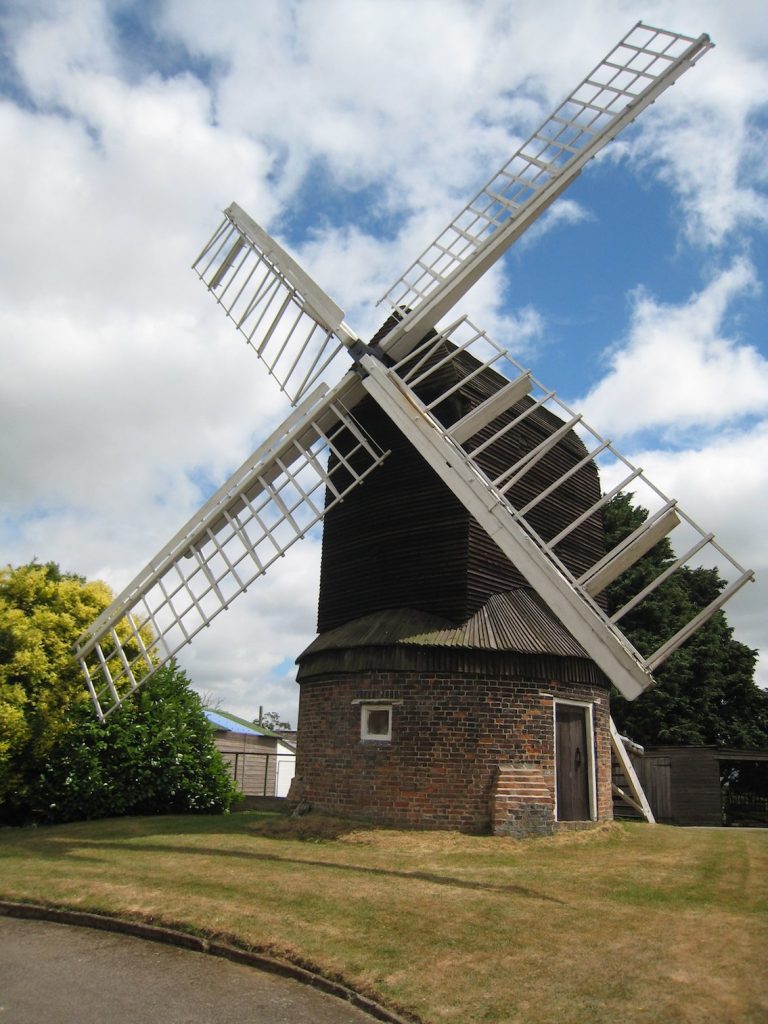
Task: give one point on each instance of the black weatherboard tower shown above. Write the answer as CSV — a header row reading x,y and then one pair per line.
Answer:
x,y
474,570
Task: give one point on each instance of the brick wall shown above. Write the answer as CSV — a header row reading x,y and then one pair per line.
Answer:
x,y
523,801
451,733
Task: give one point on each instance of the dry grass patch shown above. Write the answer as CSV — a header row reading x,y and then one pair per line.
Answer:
x,y
626,923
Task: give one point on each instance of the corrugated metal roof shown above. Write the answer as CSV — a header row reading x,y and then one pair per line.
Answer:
x,y
513,621
224,720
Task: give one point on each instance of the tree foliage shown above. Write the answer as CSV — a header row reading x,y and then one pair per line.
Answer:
x,y
57,762
42,611
272,720
706,691
155,755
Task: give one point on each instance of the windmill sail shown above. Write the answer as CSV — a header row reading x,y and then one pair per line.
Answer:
x,y
320,453
257,283
294,327
274,499
461,452
636,71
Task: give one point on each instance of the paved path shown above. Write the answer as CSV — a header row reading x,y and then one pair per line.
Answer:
x,y
58,974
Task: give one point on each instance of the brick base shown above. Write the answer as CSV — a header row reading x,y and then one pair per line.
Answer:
x,y
523,802
575,826
459,741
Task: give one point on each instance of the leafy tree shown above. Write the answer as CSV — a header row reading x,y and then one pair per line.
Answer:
x,y
271,720
155,755
42,612
706,691
57,762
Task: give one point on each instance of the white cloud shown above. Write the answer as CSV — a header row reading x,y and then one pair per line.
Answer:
x,y
677,368
706,140
564,212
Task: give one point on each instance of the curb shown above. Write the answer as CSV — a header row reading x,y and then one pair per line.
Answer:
x,y
197,944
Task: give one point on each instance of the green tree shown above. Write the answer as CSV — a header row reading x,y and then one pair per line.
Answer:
x,y
271,720
42,612
706,691
55,756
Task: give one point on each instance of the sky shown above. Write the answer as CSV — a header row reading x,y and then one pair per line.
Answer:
x,y
354,131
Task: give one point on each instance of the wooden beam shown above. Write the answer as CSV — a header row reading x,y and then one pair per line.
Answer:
x,y
497,404
626,798
630,775
629,551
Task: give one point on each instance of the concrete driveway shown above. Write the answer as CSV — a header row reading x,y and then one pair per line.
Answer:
x,y
53,973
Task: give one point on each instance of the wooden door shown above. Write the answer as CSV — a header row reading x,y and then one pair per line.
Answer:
x,y
655,774
573,763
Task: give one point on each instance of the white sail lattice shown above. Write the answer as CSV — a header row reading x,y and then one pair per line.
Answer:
x,y
273,500
296,330
461,353
639,68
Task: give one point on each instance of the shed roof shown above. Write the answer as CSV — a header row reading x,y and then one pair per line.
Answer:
x,y
225,720
515,620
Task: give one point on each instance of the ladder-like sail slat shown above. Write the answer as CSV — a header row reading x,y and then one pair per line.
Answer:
x,y
559,481
516,472
274,499
636,71
671,645
679,562
639,543
294,327
491,409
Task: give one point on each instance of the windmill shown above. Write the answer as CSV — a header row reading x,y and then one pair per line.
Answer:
x,y
503,449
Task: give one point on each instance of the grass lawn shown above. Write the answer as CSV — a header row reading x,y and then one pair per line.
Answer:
x,y
627,923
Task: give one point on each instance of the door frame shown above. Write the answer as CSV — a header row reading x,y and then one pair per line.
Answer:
x,y
588,707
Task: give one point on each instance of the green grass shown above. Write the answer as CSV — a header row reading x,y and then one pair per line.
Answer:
x,y
638,924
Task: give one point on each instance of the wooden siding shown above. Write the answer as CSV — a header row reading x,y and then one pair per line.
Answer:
x,y
403,540
254,773
655,774
585,544
252,761
398,540
685,781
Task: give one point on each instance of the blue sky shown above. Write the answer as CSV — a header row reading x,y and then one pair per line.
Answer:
x,y
127,127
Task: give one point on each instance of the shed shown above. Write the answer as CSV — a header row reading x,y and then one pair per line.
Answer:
x,y
261,762
683,784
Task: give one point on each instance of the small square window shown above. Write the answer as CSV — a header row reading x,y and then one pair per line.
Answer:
x,y
376,722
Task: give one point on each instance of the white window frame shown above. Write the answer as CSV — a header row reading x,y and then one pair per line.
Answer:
x,y
587,705
365,735
366,708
